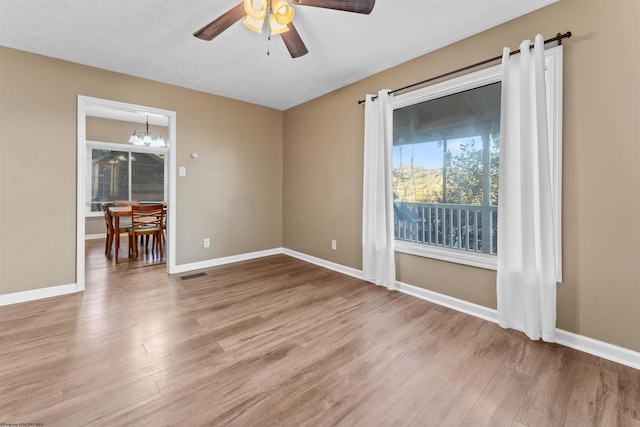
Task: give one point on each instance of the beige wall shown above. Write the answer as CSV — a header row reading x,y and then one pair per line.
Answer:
x,y
601,291
231,194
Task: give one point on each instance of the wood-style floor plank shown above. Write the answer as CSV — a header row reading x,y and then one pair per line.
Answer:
x,y
629,392
279,342
500,401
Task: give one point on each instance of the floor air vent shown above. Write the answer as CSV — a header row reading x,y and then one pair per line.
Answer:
x,y
193,276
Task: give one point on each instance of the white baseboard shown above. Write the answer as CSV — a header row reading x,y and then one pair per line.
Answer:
x,y
568,339
95,236
602,349
225,260
24,296
324,263
450,302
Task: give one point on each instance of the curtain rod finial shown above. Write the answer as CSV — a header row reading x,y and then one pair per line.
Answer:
x,y
560,36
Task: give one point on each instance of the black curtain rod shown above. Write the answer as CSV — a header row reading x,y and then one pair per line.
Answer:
x,y
558,38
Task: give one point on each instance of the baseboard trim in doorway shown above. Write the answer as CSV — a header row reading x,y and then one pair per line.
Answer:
x,y
35,294
95,236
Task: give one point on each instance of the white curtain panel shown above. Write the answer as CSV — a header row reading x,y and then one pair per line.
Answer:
x,y
526,278
378,260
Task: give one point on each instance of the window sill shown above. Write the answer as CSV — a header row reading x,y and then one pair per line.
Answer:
x,y
489,262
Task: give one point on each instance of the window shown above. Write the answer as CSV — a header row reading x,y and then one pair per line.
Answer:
x,y
122,172
446,154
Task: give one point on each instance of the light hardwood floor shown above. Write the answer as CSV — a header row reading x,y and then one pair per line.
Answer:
x,y
277,341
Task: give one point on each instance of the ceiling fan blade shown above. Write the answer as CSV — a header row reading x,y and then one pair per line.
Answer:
x,y
224,21
356,6
294,43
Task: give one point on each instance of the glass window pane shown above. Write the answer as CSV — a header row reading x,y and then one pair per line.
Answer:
x,y
445,170
109,177
147,177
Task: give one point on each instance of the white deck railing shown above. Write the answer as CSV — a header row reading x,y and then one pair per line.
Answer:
x,y
448,225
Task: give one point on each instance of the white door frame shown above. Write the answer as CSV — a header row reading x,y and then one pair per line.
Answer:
x,y
86,103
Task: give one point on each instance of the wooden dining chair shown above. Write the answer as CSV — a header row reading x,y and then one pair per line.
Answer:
x,y
164,223
109,224
146,220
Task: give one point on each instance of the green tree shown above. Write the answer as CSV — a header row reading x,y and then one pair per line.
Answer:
x,y
465,176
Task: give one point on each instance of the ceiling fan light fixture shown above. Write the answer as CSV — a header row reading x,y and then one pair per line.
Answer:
x,y
281,14
282,11
253,24
276,27
256,9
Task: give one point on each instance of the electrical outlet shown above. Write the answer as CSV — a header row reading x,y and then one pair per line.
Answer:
x,y
334,245
207,243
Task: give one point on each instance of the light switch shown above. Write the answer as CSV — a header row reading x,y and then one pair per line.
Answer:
x,y
182,171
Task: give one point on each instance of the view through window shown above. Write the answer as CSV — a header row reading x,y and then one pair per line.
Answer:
x,y
125,175
446,155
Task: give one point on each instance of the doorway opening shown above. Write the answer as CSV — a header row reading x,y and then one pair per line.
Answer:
x,y
99,109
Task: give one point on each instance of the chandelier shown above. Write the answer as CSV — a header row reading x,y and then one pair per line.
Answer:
x,y
280,13
144,137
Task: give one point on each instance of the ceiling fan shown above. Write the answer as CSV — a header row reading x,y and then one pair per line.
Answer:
x,y
278,16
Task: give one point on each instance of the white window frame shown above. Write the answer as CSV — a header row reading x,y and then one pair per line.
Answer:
x,y
124,148
553,64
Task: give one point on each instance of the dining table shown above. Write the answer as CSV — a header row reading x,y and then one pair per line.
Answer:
x,y
118,212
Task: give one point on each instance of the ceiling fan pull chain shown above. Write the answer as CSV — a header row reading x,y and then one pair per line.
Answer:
x,y
266,24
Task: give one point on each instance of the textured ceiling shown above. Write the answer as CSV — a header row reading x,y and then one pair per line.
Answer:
x,y
153,39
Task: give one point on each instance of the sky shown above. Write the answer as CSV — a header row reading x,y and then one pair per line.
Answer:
x,y
427,155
